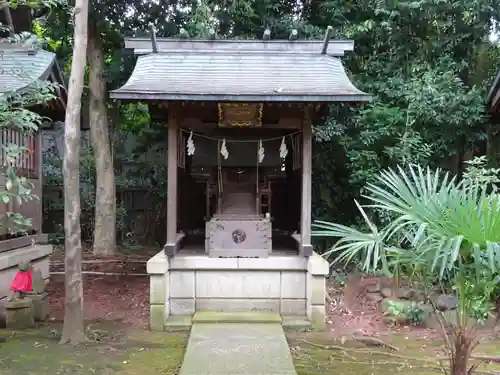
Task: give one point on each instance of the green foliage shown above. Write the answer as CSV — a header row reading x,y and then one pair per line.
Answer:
x,y
478,297
447,229
428,65
16,113
412,312
479,173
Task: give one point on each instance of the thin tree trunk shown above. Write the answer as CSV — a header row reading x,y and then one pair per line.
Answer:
x,y
8,19
464,341
73,328
105,204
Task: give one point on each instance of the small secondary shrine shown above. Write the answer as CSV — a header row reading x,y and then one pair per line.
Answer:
x,y
239,117
22,65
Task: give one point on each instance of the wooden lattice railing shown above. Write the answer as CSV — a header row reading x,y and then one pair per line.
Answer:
x,y
27,162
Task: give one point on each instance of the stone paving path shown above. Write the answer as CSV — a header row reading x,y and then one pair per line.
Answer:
x,y
237,349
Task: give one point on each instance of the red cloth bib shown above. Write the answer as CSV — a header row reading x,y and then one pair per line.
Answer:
x,y
23,282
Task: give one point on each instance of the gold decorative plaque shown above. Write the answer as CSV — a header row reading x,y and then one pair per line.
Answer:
x,y
240,115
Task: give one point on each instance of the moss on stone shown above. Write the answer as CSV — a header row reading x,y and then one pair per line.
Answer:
x,y
118,351
236,317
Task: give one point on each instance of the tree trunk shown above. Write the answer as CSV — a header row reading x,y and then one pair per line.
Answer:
x,y
105,201
8,19
463,341
73,329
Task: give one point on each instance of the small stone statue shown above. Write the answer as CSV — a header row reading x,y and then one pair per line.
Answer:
x,y
22,283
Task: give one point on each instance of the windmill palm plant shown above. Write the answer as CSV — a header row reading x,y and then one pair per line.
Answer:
x,y
445,227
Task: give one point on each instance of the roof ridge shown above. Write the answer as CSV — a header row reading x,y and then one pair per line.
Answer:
x,y
241,52
25,42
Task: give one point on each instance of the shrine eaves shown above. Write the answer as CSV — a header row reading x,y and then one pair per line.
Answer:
x,y
239,70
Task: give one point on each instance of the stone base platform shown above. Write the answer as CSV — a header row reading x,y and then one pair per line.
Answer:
x,y
285,284
227,317
289,323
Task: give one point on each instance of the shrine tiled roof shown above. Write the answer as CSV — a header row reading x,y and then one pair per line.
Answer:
x,y
239,75
20,68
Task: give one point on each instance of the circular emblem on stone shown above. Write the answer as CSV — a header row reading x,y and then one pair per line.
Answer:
x,y
239,236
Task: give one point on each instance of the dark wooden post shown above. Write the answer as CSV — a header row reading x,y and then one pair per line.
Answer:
x,y
171,245
305,217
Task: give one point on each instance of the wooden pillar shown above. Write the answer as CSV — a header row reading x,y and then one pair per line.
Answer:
x,y
305,217
171,245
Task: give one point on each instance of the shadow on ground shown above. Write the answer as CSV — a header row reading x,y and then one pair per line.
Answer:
x,y
113,349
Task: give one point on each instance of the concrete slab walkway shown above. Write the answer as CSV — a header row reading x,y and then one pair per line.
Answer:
x,y
237,349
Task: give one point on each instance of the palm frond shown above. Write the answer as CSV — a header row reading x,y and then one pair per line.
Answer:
x,y
445,222
352,243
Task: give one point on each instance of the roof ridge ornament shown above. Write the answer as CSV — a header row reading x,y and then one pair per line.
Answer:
x,y
328,35
267,34
25,42
153,37
183,34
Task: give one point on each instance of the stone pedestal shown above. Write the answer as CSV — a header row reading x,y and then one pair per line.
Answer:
x,y
3,301
317,272
40,306
157,268
284,284
20,314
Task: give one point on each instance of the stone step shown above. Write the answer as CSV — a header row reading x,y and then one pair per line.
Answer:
x,y
289,322
237,349
235,317
295,322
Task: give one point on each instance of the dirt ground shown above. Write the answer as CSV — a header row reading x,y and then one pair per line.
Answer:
x,y
117,307
114,289
118,289
111,293
322,353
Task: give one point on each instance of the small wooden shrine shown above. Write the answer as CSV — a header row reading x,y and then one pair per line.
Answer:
x,y
239,115
23,64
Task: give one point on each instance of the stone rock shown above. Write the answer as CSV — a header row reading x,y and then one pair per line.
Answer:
x,y
374,297
24,266
40,306
20,314
373,288
449,318
386,292
446,302
3,301
38,282
405,293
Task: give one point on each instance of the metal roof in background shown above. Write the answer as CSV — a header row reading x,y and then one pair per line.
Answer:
x,y
493,98
22,67
239,76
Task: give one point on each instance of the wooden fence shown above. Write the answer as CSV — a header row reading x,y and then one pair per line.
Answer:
x,y
140,214
26,162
